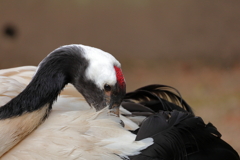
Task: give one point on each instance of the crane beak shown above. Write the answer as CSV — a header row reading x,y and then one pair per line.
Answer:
x,y
115,102
116,98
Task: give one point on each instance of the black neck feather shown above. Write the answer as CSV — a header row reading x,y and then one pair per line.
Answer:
x,y
55,71
41,91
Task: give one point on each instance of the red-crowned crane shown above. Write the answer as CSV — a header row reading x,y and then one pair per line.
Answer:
x,y
41,122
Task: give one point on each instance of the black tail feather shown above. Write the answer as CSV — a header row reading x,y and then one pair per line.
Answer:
x,y
159,97
182,136
177,133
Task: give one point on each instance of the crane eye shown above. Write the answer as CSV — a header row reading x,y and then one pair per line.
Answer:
x,y
107,87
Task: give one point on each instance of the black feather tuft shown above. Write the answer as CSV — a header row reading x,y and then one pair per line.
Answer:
x,y
159,98
177,133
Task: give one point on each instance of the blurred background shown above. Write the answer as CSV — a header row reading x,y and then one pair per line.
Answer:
x,y
190,45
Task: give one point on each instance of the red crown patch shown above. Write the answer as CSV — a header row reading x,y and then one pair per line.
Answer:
x,y
120,77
